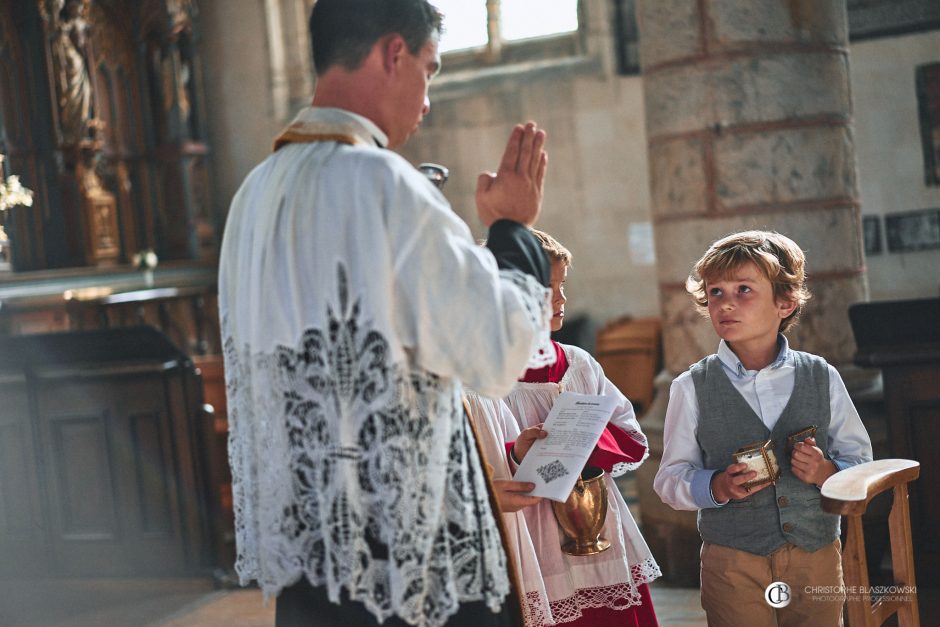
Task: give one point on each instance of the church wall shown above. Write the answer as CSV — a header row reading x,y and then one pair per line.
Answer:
x,y
596,194
237,80
597,199
890,157
596,188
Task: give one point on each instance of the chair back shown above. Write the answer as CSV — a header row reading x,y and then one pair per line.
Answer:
x,y
848,493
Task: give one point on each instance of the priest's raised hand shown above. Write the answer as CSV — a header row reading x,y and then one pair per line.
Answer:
x,y
514,192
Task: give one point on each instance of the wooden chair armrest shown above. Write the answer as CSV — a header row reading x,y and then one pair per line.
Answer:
x,y
848,491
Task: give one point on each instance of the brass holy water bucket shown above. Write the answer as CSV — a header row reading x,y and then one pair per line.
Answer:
x,y
582,516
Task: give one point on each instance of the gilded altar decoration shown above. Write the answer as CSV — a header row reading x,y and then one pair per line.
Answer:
x,y
181,14
70,35
100,213
70,60
118,155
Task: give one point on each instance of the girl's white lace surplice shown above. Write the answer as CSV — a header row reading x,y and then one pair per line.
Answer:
x,y
609,579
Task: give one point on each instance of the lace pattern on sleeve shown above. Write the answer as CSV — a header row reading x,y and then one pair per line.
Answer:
x,y
646,571
622,468
358,473
537,301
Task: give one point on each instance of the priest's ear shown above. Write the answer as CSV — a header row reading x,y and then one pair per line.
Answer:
x,y
393,48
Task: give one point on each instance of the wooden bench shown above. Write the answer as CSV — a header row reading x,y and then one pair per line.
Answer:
x,y
848,493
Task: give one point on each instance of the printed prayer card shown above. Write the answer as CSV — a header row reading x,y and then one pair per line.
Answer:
x,y
574,426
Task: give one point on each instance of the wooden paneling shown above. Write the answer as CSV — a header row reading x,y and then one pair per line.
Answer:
x,y
15,505
912,393
115,498
21,539
101,457
83,492
902,338
925,433
15,445
151,474
219,476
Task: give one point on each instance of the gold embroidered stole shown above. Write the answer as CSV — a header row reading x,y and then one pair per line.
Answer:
x,y
300,132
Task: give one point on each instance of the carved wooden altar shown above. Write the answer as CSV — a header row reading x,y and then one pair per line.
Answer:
x,y
101,114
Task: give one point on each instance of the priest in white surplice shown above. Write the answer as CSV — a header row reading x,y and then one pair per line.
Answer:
x,y
354,306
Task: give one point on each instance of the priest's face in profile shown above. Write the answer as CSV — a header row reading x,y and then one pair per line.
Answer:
x,y
557,283
410,95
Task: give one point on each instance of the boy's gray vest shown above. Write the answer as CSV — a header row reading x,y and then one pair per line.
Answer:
x,y
788,512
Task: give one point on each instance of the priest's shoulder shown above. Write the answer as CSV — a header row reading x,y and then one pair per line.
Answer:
x,y
378,166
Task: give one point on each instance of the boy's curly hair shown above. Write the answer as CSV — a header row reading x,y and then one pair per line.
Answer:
x,y
777,256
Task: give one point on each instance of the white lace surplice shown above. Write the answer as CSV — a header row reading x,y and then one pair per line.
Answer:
x,y
348,292
608,579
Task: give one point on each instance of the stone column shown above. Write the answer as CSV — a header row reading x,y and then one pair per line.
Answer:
x,y
748,117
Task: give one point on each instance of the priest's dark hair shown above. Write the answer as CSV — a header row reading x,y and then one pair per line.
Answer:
x,y
342,32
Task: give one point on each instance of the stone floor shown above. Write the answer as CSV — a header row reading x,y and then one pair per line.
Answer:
x,y
676,607
193,603
197,602
97,602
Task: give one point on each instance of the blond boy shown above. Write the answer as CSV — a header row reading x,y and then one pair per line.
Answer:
x,y
756,388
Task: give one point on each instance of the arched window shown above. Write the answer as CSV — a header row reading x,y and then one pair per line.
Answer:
x,y
492,24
